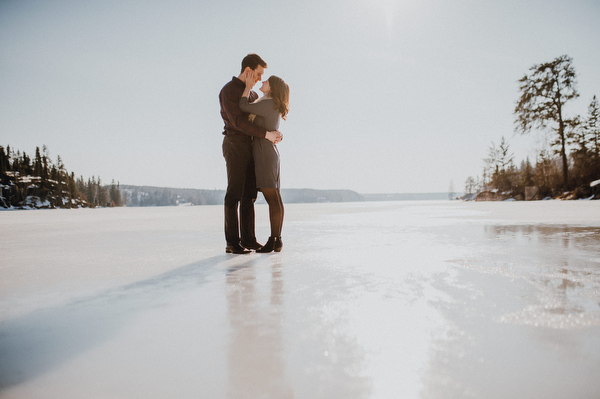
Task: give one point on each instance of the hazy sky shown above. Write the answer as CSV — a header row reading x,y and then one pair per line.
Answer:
x,y
386,96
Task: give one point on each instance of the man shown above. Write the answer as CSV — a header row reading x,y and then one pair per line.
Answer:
x,y
237,150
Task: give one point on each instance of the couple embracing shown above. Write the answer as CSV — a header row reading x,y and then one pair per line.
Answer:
x,y
251,155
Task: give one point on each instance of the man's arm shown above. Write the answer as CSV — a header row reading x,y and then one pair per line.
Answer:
x,y
261,108
230,106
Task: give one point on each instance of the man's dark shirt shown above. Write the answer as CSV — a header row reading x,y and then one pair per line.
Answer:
x,y
236,121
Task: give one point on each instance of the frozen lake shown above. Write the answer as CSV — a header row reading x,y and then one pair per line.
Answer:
x,y
367,300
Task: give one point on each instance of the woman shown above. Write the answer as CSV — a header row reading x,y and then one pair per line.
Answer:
x,y
267,112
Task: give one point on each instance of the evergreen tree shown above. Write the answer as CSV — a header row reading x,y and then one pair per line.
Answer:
x,y
61,171
120,201
46,161
26,169
81,188
591,129
102,194
546,173
72,186
54,173
16,165
38,165
4,164
526,173
115,194
8,157
92,191
499,167
544,94
581,156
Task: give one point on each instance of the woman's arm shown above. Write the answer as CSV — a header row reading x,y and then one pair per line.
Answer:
x,y
263,108
257,108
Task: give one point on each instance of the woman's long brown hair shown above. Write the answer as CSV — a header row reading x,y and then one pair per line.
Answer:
x,y
280,93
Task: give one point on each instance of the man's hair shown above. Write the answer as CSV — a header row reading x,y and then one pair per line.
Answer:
x,y
253,61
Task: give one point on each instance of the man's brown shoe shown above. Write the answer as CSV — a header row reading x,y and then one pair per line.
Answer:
x,y
236,249
252,245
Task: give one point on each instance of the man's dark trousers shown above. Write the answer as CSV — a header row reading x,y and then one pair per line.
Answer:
x,y
241,188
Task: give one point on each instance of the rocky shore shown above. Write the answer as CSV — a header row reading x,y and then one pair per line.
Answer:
x,y
532,193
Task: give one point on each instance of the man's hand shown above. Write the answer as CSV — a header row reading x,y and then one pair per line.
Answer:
x,y
274,136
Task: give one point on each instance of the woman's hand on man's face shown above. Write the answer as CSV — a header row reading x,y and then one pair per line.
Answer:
x,y
250,78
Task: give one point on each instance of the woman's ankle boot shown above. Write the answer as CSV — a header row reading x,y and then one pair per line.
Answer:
x,y
274,244
278,244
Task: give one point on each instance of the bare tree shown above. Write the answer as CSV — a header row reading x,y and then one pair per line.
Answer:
x,y
544,94
470,185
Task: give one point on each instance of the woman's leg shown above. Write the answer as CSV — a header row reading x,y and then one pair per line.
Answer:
x,y
273,198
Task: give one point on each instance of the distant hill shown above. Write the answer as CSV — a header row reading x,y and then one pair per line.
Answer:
x,y
407,196
166,196
307,195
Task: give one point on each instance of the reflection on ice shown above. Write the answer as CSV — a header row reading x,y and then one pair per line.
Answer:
x,y
560,262
256,359
557,235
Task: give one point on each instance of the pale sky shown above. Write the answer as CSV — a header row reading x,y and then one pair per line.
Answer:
x,y
386,96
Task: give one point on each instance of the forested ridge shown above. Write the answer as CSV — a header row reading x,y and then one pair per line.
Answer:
x,y
37,182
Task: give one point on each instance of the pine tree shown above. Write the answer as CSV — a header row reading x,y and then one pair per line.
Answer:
x,y
54,173
16,165
546,173
526,173
3,161
46,161
591,128
38,164
544,95
61,172
499,166
92,191
25,167
103,198
72,186
8,157
115,194
81,188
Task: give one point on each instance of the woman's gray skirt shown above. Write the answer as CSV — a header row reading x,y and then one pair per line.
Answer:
x,y
266,163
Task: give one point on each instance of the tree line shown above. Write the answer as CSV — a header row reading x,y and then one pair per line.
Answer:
x,y
39,182
570,161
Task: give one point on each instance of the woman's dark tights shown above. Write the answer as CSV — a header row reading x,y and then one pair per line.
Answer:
x,y
273,198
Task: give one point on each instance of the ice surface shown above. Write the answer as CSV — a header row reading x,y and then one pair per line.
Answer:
x,y
367,300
